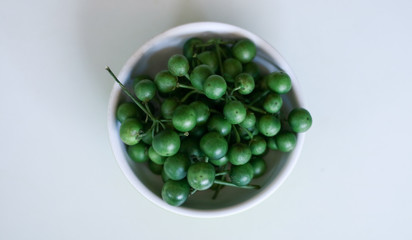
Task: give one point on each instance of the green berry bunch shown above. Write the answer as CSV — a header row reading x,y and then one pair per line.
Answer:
x,y
208,120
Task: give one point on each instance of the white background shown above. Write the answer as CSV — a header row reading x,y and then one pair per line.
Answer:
x,y
60,180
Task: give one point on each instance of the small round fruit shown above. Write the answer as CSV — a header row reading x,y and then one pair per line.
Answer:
x,y
253,69
178,65
286,141
235,112
245,83
244,50
214,87
271,143
209,58
184,118
155,157
189,47
130,130
201,175
155,168
145,90
219,124
168,107
213,145
176,166
202,112
127,110
269,125
259,167
279,82
300,120
241,175
175,193
239,154
199,75
166,143
219,162
138,152
272,103
231,68
258,145
165,81
249,121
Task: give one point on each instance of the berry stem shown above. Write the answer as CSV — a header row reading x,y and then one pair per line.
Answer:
x,y
188,95
234,185
236,134
255,109
129,94
259,97
221,173
179,85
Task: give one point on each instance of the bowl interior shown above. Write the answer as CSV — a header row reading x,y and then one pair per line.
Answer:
x,y
152,58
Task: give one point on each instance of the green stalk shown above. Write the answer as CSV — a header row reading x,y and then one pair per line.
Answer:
x,y
255,109
234,185
260,97
129,94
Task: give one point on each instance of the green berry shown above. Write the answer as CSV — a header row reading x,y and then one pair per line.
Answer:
x,y
279,82
138,152
244,50
300,120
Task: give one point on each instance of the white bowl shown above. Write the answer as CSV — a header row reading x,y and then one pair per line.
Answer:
x,y
151,58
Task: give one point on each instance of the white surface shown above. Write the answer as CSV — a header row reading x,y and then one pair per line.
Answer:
x,y
58,176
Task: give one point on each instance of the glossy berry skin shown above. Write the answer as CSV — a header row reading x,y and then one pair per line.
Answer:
x,y
209,58
190,147
214,87
165,81
201,175
176,166
269,125
155,157
219,162
219,124
258,145
168,107
279,82
199,75
245,82
259,167
213,145
138,152
249,122
129,131
234,112
286,141
127,110
175,193
166,143
300,120
244,50
155,168
231,68
239,154
272,103
178,65
271,143
189,47
184,118
202,112
145,90
253,69
241,175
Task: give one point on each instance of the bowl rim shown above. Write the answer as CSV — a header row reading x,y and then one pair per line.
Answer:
x,y
122,161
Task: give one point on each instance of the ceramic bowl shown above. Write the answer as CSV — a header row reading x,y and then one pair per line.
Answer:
x,y
151,58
